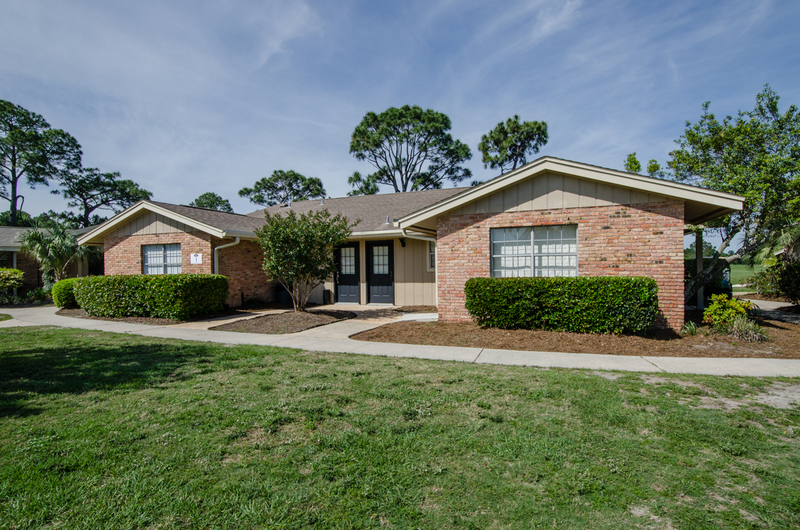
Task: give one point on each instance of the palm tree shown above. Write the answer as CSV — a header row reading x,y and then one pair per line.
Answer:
x,y
54,247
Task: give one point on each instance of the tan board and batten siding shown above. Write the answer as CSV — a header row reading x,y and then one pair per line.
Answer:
x,y
553,191
414,283
151,223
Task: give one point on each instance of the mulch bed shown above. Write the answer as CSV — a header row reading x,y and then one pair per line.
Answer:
x,y
417,309
784,340
289,322
80,313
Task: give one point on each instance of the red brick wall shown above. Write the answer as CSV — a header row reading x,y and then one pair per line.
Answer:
x,y
241,264
123,255
633,240
32,276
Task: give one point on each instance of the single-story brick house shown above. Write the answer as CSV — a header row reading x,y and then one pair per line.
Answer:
x,y
551,217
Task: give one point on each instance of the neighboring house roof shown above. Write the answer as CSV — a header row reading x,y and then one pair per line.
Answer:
x,y
8,237
701,204
376,213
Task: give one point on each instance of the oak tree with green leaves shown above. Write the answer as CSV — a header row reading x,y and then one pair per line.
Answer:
x,y
410,149
755,154
89,190
507,146
632,164
299,250
282,187
31,152
211,201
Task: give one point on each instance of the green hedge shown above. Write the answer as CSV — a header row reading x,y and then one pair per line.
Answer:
x,y
10,279
583,304
174,296
64,294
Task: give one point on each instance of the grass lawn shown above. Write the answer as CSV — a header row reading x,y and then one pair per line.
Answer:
x,y
102,430
4,317
740,273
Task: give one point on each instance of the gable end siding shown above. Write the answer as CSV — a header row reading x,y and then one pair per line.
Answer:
x,y
551,191
633,240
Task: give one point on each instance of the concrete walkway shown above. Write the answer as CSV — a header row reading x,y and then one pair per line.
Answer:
x,y
335,338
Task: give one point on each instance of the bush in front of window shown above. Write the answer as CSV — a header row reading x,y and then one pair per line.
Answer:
x,y
583,305
64,294
173,296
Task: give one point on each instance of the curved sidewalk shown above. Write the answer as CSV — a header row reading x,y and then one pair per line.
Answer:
x,y
334,338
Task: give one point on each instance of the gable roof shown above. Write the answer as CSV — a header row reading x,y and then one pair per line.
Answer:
x,y
216,223
372,211
701,204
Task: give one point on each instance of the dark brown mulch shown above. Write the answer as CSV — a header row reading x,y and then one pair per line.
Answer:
x,y
80,313
790,308
417,309
784,340
289,322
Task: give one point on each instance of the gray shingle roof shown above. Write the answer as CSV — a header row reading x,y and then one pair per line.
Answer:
x,y
233,222
371,210
8,236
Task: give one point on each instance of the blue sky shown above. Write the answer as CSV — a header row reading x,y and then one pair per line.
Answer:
x,y
188,97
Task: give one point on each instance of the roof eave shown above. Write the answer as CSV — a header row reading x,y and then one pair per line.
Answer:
x,y
677,190
91,237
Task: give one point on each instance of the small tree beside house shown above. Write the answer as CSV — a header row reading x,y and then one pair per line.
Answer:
x,y
299,250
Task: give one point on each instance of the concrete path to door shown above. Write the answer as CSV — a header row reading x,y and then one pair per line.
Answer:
x,y
335,338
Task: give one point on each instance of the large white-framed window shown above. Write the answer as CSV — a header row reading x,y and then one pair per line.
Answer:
x,y
161,259
549,251
431,256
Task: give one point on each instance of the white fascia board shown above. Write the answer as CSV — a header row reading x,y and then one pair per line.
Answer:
x,y
376,234
240,235
131,212
576,169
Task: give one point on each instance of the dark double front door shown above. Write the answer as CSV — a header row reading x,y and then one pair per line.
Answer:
x,y
380,273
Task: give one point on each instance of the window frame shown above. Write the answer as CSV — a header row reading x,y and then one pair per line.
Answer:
x,y
164,263
431,264
532,255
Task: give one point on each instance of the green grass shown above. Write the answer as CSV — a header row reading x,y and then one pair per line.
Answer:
x,y
740,273
4,317
102,430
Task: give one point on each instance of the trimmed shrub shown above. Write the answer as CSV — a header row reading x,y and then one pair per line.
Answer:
x,y
173,296
723,310
63,293
583,304
10,279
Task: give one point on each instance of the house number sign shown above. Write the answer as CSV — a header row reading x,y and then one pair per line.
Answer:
x,y
197,259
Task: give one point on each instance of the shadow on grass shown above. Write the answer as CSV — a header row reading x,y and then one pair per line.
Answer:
x,y
80,367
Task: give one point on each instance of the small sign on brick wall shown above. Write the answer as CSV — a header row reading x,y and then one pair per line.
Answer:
x,y
196,259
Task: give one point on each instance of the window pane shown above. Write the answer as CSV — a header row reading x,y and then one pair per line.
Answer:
x,y
161,259
431,255
380,260
348,260
556,251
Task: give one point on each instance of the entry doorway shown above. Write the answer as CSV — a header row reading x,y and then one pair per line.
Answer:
x,y
347,285
380,272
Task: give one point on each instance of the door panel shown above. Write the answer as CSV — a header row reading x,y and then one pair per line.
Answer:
x,y
347,287
380,272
